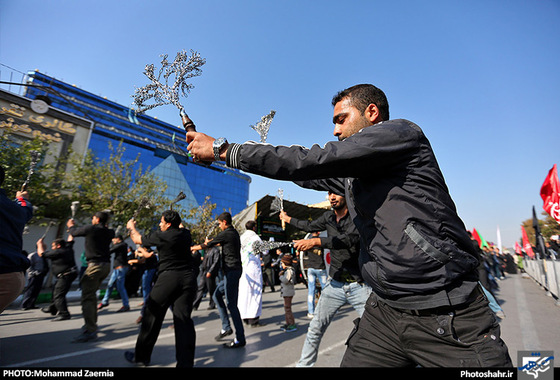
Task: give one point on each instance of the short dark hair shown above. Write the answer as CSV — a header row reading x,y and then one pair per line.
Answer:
x,y
2,175
250,225
172,217
225,216
102,216
362,95
60,242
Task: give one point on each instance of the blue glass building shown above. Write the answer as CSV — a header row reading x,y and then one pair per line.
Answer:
x,y
153,139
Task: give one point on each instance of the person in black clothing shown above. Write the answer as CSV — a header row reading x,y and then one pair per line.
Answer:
x,y
118,276
63,267
175,287
98,255
228,279
345,283
269,275
36,273
207,282
427,307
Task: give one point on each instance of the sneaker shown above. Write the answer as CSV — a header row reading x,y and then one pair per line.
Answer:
x,y
223,334
124,308
102,305
85,337
309,316
234,344
290,328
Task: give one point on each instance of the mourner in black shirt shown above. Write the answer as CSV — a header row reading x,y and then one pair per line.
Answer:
x,y
63,267
97,246
175,286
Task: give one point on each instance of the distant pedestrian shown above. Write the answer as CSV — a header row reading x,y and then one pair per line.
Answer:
x,y
36,273
64,269
207,280
287,282
118,276
97,244
228,280
250,283
175,288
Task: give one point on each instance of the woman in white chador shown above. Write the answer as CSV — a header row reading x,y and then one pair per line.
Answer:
x,y
249,301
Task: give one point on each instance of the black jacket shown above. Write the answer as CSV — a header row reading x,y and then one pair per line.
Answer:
x,y
174,248
342,239
415,251
98,241
230,242
121,254
13,217
62,259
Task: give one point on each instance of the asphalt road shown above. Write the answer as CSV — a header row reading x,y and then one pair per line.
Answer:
x,y
29,339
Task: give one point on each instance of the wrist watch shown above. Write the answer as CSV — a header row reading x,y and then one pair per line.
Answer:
x,y
218,144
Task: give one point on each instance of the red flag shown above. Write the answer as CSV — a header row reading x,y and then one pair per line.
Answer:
x,y
550,193
475,236
478,237
517,248
526,245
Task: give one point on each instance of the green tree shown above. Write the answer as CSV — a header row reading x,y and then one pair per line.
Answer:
x,y
201,222
44,186
548,227
121,186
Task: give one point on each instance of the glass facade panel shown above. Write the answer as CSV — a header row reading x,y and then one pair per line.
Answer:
x,y
150,138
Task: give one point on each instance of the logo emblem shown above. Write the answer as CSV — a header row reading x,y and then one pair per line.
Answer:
x,y
535,365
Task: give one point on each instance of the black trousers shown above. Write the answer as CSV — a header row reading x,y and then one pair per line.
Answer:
x,y
175,289
61,288
205,285
463,336
34,285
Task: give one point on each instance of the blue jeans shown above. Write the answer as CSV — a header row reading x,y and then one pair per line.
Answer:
x,y
312,275
147,284
117,280
228,287
335,295
494,305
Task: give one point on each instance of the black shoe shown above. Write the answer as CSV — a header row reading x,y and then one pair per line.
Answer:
x,y
85,337
124,308
130,357
234,344
61,317
49,310
222,335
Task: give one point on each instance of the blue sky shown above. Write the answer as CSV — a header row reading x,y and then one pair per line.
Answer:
x,y
480,77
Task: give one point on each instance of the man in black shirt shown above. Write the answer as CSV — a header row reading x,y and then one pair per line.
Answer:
x,y
175,287
228,279
63,267
415,253
345,284
98,255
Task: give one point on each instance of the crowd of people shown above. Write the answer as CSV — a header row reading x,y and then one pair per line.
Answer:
x,y
400,254
171,273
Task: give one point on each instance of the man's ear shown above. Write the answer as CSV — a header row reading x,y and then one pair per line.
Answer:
x,y
372,113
